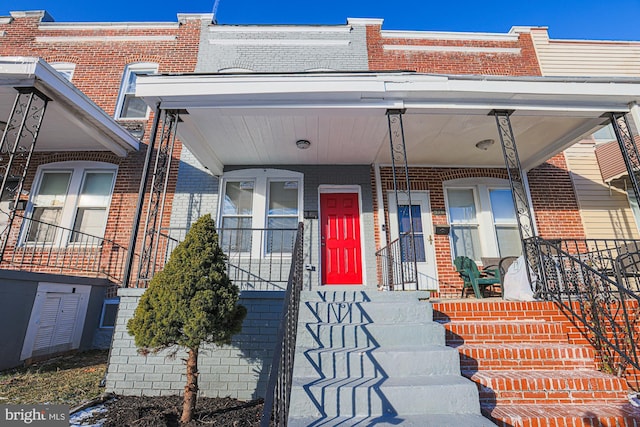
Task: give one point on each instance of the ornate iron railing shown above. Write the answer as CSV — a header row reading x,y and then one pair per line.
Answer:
x,y
397,262
50,248
257,259
276,405
595,282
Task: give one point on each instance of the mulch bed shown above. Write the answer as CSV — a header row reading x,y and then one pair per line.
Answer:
x,y
125,411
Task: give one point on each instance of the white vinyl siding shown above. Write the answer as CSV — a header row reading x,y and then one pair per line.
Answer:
x,y
586,58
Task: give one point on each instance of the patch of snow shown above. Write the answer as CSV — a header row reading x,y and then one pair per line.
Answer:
x,y
79,419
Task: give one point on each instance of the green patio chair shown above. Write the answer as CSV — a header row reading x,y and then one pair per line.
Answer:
x,y
474,278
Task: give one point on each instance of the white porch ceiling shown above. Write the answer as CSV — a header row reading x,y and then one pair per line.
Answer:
x,y
256,120
72,122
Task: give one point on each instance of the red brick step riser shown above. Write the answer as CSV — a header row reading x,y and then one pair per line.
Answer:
x,y
511,358
468,332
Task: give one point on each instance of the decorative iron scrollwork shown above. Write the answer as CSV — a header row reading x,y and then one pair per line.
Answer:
x,y
524,213
402,186
155,207
16,149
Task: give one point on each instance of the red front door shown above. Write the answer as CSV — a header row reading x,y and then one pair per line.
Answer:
x,y
340,239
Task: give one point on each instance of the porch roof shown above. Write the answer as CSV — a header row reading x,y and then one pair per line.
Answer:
x,y
72,122
257,118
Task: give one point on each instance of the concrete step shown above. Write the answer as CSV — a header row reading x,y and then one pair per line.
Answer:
x,y
468,332
367,397
548,387
371,362
425,420
526,356
336,335
392,311
360,294
592,415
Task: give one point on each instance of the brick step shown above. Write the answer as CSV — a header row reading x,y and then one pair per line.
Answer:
x,y
548,387
546,356
495,310
592,415
503,331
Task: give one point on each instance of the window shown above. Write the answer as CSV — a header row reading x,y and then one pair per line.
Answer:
x,y
505,222
64,68
129,106
109,312
605,134
282,216
483,220
260,199
237,215
464,223
70,204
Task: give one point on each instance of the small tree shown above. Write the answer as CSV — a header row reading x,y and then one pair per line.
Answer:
x,y
190,302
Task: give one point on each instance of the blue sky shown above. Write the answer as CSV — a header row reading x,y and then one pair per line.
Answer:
x,y
566,19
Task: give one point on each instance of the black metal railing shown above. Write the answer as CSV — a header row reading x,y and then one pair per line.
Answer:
x,y
276,404
397,264
257,259
594,281
44,247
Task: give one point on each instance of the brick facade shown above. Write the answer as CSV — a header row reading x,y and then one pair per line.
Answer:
x,y
445,53
101,53
554,202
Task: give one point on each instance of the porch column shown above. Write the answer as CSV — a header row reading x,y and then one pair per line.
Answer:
x,y
17,146
628,149
401,185
158,192
524,213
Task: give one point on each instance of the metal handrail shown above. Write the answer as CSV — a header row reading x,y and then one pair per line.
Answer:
x,y
588,284
276,404
268,270
398,264
45,247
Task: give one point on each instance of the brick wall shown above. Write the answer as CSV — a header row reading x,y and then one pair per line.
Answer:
x,y
555,207
554,200
239,370
441,53
101,52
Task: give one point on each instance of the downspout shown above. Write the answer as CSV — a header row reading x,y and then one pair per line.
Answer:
x,y
141,191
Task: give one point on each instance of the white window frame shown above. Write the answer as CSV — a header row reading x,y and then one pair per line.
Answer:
x,y
136,67
260,209
484,214
66,69
78,170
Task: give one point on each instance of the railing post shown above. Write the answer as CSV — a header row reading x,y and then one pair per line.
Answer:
x,y
524,213
628,149
19,140
402,185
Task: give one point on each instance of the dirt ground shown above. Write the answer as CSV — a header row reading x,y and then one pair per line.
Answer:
x,y
125,411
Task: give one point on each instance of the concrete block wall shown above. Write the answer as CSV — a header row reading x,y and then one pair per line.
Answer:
x,y
196,193
240,370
